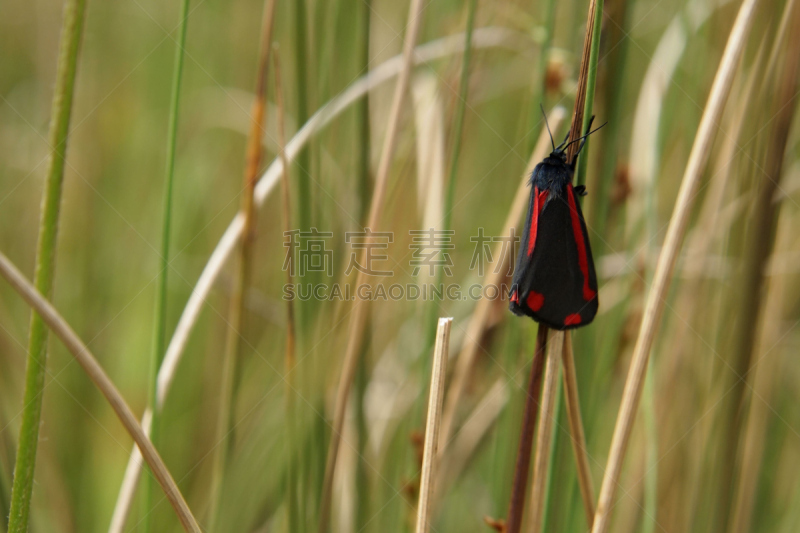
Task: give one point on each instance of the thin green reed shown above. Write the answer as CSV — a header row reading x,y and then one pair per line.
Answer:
x,y
591,80
68,51
596,211
304,205
160,325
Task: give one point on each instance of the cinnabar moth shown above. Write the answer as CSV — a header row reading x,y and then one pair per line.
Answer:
x,y
554,280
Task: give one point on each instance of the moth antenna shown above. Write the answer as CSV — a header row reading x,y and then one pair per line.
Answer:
x,y
585,136
548,126
561,146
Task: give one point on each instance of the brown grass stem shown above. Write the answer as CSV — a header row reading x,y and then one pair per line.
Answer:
x,y
654,305
480,317
229,378
576,127
89,363
519,486
430,456
356,328
576,429
290,357
547,418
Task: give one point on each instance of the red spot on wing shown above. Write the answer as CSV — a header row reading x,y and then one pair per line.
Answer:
x,y
535,301
572,320
534,222
583,260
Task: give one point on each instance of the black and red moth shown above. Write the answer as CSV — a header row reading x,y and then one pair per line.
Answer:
x,y
554,280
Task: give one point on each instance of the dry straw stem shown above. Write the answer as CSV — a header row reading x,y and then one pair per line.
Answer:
x,y
490,37
356,330
429,457
480,317
516,506
666,262
576,430
89,363
547,415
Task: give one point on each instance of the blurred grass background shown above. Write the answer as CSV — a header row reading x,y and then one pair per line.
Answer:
x,y
657,60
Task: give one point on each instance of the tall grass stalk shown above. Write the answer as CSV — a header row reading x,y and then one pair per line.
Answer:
x,y
229,378
544,437
593,36
458,120
759,244
765,374
358,315
430,447
304,200
599,183
290,358
553,445
576,429
364,147
666,262
52,319
519,486
36,362
160,312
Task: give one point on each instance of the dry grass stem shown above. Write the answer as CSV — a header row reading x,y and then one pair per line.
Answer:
x,y
480,317
429,457
666,261
547,416
356,329
576,429
516,506
89,363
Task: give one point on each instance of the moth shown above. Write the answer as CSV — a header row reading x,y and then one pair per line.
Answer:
x,y
554,279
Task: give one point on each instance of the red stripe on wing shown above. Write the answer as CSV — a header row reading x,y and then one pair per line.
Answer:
x,y
577,231
534,222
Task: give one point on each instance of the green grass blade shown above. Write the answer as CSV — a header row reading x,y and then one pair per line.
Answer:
x,y
160,326
69,48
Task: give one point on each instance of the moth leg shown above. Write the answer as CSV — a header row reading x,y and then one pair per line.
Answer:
x,y
580,190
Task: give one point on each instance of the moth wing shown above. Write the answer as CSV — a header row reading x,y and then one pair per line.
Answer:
x,y
556,283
